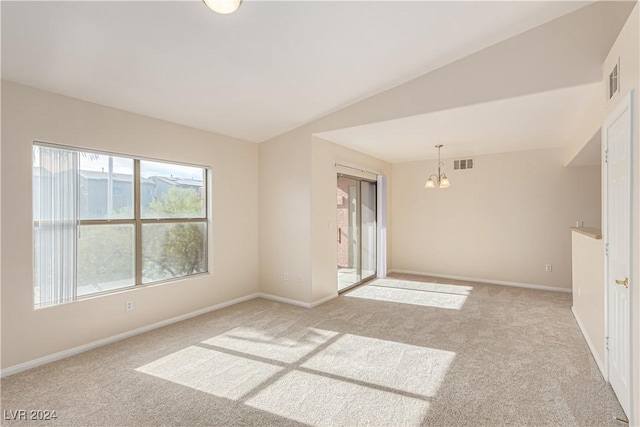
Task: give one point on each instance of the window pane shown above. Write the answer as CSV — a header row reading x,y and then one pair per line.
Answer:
x,y
173,250
171,191
106,186
106,258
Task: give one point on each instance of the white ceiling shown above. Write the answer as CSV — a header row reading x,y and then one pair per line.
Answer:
x,y
542,120
266,69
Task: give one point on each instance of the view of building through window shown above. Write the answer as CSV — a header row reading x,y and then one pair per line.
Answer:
x,y
104,222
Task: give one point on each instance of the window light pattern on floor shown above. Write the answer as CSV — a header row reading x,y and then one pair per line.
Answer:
x,y
314,376
416,293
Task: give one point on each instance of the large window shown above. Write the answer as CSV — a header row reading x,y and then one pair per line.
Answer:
x,y
104,222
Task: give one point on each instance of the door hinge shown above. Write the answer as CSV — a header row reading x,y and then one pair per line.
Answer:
x,y
606,343
606,249
606,156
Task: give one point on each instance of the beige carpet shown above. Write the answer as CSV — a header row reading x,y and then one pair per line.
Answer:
x,y
403,351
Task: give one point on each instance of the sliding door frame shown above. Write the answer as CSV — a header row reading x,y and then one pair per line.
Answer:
x,y
360,180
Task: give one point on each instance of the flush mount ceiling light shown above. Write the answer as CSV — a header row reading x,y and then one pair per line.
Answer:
x,y
440,180
223,7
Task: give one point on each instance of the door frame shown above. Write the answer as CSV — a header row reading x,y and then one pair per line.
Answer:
x,y
622,106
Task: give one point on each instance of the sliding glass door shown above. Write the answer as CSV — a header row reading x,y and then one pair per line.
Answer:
x,y
356,223
348,241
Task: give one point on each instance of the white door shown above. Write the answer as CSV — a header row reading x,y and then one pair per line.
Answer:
x,y
617,138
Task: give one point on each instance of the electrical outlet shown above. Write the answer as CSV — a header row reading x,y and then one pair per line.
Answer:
x,y
286,276
548,268
579,224
128,306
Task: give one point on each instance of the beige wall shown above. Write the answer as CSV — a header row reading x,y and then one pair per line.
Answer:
x,y
588,129
298,214
588,290
323,208
285,217
627,48
503,220
29,114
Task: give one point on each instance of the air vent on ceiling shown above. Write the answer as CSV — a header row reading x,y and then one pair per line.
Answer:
x,y
463,164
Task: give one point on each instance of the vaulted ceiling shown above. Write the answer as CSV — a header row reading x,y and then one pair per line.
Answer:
x,y
272,66
490,127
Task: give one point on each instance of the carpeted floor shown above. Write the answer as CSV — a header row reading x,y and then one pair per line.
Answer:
x,y
402,351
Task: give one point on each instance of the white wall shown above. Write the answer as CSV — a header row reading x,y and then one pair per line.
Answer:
x,y
588,290
627,48
29,114
503,220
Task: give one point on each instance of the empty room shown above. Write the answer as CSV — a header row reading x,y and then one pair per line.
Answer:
x,y
320,213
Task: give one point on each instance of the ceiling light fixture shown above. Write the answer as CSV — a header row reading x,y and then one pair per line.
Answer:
x,y
223,7
440,180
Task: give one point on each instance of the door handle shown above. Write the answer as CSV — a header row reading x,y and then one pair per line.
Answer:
x,y
624,282
339,235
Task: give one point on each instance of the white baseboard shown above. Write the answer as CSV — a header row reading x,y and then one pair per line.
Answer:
x,y
109,340
492,282
323,300
296,302
589,343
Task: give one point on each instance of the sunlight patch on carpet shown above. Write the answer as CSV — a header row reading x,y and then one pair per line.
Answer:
x,y
285,344
423,296
320,401
404,367
212,372
423,286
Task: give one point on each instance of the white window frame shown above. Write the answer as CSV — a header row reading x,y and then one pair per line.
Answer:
x,y
137,221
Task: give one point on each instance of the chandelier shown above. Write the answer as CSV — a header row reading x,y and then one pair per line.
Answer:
x,y
440,180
